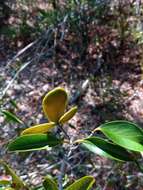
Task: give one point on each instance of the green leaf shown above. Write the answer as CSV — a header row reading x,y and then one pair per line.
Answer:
x,y
49,184
16,181
84,183
13,103
33,142
107,149
124,133
11,116
5,182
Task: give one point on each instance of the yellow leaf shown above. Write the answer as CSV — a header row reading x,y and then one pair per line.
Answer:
x,y
68,115
41,128
54,104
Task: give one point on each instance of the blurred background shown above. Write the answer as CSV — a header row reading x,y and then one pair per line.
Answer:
x,y
92,48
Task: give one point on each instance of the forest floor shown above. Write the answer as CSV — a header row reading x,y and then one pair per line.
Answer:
x,y
113,92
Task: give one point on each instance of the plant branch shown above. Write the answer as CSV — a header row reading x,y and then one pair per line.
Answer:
x,y
65,133
64,164
61,175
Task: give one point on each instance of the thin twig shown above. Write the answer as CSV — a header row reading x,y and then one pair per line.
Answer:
x,y
62,171
65,133
63,165
13,79
21,52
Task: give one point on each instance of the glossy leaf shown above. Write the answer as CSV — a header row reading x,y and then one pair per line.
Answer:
x,y
54,104
11,116
107,149
84,183
68,115
16,181
33,142
49,184
124,133
41,128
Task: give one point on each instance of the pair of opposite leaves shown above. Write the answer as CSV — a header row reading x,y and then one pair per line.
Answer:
x,y
54,105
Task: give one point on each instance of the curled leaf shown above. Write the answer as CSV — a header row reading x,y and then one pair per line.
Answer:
x,y
41,128
54,104
68,115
